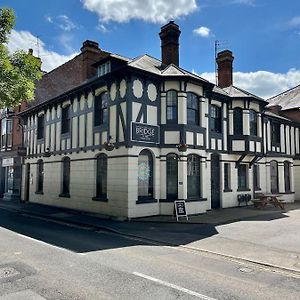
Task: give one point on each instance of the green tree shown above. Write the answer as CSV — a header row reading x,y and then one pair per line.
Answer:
x,y
18,71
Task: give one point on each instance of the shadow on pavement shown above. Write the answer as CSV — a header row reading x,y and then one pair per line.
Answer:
x,y
96,234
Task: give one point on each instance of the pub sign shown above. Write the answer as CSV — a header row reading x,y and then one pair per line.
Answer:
x,y
141,132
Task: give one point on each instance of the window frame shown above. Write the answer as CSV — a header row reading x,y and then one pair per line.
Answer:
x,y
173,106
287,176
227,177
216,121
274,177
256,177
101,109
194,165
66,177
66,120
253,122
40,177
101,177
6,134
192,97
41,127
238,121
275,133
243,172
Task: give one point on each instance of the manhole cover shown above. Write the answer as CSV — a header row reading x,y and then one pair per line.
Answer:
x,y
246,270
8,272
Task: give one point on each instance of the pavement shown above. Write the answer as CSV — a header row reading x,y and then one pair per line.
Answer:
x,y
269,237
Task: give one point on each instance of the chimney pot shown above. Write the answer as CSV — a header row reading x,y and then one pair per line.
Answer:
x,y
225,71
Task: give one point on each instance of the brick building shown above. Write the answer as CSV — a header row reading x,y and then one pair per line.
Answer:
x,y
141,133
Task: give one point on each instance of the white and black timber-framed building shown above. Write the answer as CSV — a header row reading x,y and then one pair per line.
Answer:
x,y
142,133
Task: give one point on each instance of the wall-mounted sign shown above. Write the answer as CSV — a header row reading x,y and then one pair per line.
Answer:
x,y
141,132
7,162
180,209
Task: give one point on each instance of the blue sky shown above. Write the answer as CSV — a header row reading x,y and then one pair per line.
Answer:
x,y
264,35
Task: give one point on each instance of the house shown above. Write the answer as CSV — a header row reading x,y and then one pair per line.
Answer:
x,y
133,135
11,153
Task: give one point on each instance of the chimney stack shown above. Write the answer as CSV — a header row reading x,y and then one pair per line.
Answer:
x,y
225,71
169,35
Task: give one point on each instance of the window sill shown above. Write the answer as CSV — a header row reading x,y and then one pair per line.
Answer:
x,y
64,195
65,135
195,199
257,189
287,193
39,193
100,199
146,200
243,190
227,190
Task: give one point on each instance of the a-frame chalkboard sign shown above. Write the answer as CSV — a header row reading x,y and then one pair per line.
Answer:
x,y
180,209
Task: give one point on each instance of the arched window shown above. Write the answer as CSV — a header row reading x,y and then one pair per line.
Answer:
x,y
172,176
253,122
172,107
192,109
40,176
101,176
145,175
215,119
274,176
101,110
287,176
193,176
66,166
238,121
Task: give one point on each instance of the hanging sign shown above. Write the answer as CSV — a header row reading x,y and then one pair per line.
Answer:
x,y
141,132
7,162
180,209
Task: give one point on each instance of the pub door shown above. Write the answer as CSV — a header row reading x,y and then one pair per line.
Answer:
x,y
215,181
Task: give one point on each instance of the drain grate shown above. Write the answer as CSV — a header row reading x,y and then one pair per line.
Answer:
x,y
8,272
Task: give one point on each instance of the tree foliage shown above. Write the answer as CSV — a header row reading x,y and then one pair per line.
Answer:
x,y
19,71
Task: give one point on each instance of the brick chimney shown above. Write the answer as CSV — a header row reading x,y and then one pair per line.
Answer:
x,y
90,53
169,35
224,61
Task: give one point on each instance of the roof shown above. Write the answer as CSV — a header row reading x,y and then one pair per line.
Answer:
x,y
271,114
287,100
236,92
154,65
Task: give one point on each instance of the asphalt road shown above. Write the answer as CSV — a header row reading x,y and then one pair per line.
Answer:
x,y
40,259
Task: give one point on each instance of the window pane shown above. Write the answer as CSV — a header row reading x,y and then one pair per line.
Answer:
x,y
238,121
66,176
101,176
172,176
274,176
171,107
193,176
145,175
242,176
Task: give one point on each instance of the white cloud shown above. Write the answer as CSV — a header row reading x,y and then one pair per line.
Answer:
x,y
25,40
202,31
62,21
247,2
295,21
155,11
102,28
262,83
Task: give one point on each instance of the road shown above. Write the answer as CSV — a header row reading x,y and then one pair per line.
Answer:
x,y
42,259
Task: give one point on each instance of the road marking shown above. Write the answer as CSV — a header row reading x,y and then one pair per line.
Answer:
x,y
173,286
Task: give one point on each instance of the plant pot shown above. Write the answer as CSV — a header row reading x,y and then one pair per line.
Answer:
x,y
109,146
182,148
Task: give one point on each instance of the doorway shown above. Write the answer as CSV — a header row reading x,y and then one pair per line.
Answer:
x,y
215,181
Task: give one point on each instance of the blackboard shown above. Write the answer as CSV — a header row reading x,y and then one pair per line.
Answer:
x,y
180,209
